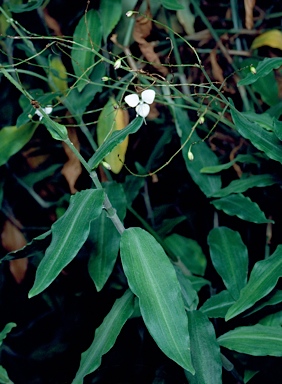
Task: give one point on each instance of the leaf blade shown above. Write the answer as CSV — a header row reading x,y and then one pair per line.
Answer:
x,y
153,279
105,336
263,279
68,235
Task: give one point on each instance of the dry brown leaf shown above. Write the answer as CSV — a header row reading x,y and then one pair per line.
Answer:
x,y
12,240
249,17
72,168
216,68
142,30
52,23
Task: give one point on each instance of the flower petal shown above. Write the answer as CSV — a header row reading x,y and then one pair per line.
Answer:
x,y
148,96
132,100
48,109
142,110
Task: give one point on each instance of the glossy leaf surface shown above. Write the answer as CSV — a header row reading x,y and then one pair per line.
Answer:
x,y
230,258
68,235
256,340
241,206
218,305
152,278
263,140
263,279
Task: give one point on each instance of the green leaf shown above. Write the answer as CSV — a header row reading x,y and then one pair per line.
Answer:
x,y
105,336
186,17
105,238
87,39
57,131
188,251
230,258
110,13
263,279
255,340
171,4
4,379
263,68
243,207
153,280
116,138
7,329
38,243
242,185
263,140
270,123
275,298
203,155
217,305
189,294
198,282
29,6
272,320
132,187
13,139
240,158
204,349
68,235
80,101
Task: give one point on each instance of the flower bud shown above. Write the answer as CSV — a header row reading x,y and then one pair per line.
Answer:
x,y
201,119
106,165
117,64
129,13
190,155
105,78
252,69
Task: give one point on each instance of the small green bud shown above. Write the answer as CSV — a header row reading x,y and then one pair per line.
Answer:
x,y
106,165
201,119
117,64
190,155
105,78
253,70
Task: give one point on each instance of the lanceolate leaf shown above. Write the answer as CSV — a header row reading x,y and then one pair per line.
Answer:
x,y
263,140
218,305
264,67
87,39
105,336
29,6
68,235
106,238
242,185
152,278
240,158
7,329
188,251
110,12
263,279
243,207
256,340
205,350
12,139
230,258
116,138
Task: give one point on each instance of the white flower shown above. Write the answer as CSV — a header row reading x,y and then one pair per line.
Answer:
x,y
142,106
47,110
